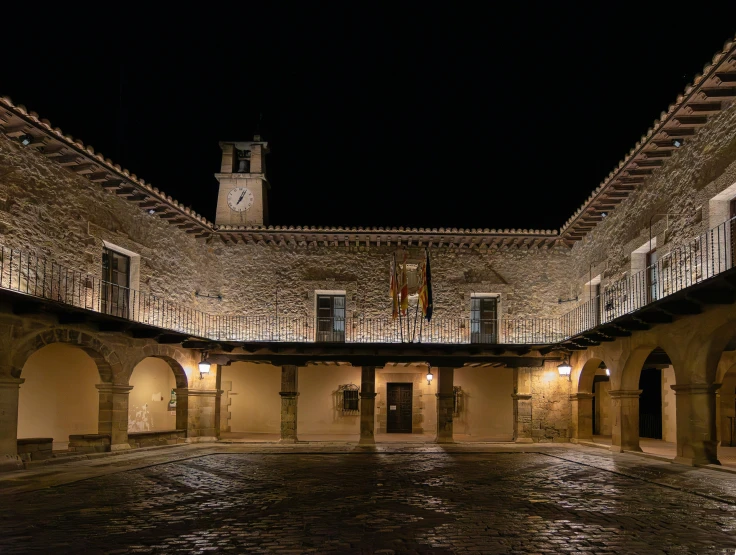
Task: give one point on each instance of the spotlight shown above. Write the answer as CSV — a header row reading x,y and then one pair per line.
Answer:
x,y
151,211
604,214
677,142
608,372
26,139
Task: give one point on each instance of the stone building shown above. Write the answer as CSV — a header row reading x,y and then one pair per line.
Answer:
x,y
127,319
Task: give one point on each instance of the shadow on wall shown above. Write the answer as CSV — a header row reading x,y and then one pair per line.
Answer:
x,y
149,403
58,397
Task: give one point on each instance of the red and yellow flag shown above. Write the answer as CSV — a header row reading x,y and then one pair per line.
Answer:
x,y
404,289
394,291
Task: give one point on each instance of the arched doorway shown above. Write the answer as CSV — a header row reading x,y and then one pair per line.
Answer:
x,y
647,406
594,402
726,408
156,415
58,397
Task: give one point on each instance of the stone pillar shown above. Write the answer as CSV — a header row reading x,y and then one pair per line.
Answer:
x,y
367,405
9,391
582,416
113,419
522,397
445,396
289,396
197,413
696,423
625,411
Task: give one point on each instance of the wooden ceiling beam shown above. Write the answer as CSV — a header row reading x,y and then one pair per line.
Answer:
x,y
718,92
698,121
679,131
726,76
704,107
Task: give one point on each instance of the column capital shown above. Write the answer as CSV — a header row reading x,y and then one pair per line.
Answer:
x,y
695,388
581,396
292,394
521,396
11,382
625,393
368,395
113,388
445,395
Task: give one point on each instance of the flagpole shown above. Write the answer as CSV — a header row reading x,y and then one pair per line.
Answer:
x,y
398,285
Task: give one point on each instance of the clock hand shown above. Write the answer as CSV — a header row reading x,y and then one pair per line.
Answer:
x,y
241,197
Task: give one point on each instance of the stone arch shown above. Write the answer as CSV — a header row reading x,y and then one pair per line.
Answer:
x,y
107,361
176,360
587,374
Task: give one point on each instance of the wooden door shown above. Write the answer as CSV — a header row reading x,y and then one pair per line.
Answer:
x,y
399,407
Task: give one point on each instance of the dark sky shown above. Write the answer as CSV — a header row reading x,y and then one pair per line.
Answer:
x,y
414,116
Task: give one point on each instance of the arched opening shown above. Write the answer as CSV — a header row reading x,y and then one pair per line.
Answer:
x,y
155,415
594,402
653,428
58,397
726,409
726,405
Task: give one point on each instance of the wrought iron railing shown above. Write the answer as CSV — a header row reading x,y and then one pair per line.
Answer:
x,y
679,267
683,265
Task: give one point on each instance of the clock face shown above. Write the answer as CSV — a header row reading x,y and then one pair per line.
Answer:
x,y
240,199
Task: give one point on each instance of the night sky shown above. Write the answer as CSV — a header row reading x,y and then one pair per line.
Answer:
x,y
413,116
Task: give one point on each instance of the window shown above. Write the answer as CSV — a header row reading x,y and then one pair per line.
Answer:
x,y
331,318
484,320
115,283
651,270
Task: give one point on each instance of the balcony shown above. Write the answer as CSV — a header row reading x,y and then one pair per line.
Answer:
x,y
680,268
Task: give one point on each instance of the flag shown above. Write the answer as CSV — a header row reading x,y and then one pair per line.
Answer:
x,y
404,295
425,289
394,290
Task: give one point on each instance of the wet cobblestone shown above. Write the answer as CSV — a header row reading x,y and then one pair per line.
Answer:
x,y
430,502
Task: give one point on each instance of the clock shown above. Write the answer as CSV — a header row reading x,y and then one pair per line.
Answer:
x,y
240,199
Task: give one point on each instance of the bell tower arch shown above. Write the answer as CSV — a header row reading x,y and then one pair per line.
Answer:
x,y
242,199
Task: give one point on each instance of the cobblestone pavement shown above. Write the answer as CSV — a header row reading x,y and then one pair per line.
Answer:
x,y
424,500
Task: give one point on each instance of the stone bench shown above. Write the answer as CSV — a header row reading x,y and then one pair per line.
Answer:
x,y
151,439
35,448
89,443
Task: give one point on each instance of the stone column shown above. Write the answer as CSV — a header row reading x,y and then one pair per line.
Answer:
x,y
367,405
113,419
696,423
625,412
197,414
582,416
9,391
522,397
289,396
445,396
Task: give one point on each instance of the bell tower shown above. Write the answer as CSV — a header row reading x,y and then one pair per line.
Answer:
x,y
243,199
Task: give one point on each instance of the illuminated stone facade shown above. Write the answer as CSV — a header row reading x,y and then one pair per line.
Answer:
x,y
638,280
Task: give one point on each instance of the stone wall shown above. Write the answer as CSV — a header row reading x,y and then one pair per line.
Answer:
x,y
683,186
52,212
551,416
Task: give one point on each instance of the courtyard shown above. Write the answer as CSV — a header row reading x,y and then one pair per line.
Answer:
x,y
322,497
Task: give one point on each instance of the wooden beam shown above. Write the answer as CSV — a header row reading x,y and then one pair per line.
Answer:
x,y
98,177
680,131
718,92
726,76
692,120
112,184
68,160
704,107
84,168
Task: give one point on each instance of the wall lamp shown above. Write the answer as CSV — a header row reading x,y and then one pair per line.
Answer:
x,y
564,368
204,366
430,376
26,139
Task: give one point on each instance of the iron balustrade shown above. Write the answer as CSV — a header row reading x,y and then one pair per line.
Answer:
x,y
682,266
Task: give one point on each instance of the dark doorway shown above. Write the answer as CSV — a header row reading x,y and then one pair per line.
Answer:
x,y
596,381
650,403
398,420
